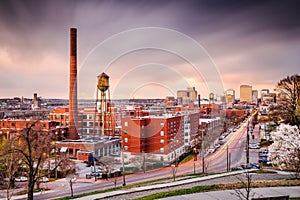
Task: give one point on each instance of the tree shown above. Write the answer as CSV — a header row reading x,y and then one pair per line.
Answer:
x,y
8,168
288,103
69,170
285,151
246,181
32,146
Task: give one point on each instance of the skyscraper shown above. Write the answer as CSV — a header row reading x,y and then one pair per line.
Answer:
x,y
230,95
246,93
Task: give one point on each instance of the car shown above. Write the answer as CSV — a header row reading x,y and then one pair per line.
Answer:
x,y
211,150
254,165
250,166
21,179
265,151
217,145
221,142
236,168
92,174
263,159
254,145
221,137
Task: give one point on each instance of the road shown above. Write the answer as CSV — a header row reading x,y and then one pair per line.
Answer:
x,y
216,162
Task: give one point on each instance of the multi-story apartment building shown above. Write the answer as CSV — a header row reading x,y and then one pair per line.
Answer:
x,y
246,93
89,121
230,96
187,96
9,128
264,92
160,136
210,128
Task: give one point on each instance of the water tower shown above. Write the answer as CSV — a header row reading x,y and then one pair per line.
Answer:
x,y
105,118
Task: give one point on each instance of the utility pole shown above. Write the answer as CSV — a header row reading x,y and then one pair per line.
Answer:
x,y
227,157
94,159
247,145
122,151
202,151
229,161
195,159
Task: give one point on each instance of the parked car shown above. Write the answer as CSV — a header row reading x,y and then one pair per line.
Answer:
x,y
21,179
254,145
265,151
217,145
221,142
211,150
93,174
264,159
236,168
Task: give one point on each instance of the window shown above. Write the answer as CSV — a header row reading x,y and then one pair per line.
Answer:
x,y
125,123
125,148
125,139
161,133
161,125
162,150
161,141
90,123
13,124
84,124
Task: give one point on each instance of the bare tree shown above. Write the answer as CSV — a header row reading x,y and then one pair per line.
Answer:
x,y
244,190
288,103
8,168
110,163
32,146
174,169
70,173
139,161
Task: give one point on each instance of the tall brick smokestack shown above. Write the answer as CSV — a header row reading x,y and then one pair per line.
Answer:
x,y
73,108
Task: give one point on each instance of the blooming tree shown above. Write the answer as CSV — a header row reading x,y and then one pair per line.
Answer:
x,y
285,151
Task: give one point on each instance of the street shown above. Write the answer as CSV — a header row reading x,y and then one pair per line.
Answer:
x,y
215,162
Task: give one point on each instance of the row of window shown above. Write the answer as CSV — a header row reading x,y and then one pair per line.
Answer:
x,y
161,141
162,150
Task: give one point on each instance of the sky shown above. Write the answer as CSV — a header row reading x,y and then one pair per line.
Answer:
x,y
148,48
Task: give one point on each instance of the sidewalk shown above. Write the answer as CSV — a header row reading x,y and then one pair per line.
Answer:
x,y
292,192
158,186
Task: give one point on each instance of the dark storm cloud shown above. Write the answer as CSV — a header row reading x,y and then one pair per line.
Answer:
x,y
242,37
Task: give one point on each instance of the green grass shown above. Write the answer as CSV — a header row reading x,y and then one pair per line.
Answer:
x,y
188,158
22,192
195,189
264,171
222,186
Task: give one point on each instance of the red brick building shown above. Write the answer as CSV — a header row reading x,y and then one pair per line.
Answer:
x,y
87,125
157,135
11,127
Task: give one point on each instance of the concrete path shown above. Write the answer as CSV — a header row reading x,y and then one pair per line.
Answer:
x,y
292,192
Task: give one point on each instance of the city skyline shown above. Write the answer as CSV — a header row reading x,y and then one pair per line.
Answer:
x,y
245,42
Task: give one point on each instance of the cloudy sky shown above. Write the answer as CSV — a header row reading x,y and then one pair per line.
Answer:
x,y
148,48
